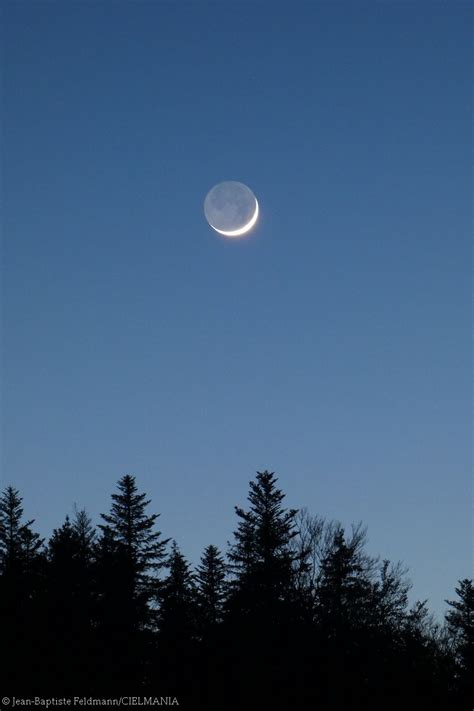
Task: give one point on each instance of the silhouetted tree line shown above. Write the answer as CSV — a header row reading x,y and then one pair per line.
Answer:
x,y
295,614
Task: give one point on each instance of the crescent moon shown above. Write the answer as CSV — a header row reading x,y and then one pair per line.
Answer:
x,y
241,230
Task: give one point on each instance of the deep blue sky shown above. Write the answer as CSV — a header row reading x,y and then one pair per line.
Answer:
x,y
332,346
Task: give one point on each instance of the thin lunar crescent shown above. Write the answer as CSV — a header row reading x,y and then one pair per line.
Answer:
x,y
231,208
245,228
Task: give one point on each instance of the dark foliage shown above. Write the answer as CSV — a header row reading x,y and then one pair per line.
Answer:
x,y
299,615
460,621
211,590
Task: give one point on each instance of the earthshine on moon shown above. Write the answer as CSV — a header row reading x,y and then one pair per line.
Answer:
x,y
231,208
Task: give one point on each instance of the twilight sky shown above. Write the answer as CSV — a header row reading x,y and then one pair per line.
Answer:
x,y
332,346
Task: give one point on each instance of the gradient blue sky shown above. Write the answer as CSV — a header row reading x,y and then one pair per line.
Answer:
x,y
332,346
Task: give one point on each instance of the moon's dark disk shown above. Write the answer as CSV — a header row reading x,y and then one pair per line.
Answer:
x,y
231,208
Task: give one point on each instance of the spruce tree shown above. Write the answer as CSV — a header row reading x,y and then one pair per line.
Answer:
x,y
19,545
22,580
63,545
211,587
460,622
131,530
261,558
86,534
177,639
345,586
129,554
70,607
177,612
342,604
261,607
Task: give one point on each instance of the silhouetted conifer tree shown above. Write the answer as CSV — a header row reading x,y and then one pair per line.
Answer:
x,y
308,619
177,598
344,586
261,557
460,622
22,567
133,530
19,545
343,597
211,588
262,603
86,534
70,604
177,637
129,553
211,596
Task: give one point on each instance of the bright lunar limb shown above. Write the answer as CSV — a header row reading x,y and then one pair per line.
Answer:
x,y
231,208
